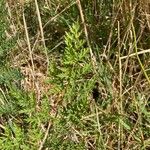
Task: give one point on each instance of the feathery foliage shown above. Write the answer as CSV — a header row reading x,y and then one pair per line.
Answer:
x,y
64,100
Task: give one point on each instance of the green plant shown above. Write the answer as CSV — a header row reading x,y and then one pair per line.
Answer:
x,y
73,78
79,109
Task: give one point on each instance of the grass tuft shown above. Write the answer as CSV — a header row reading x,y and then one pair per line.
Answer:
x,y
74,75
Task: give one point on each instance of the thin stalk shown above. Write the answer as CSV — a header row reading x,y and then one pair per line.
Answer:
x,y
137,55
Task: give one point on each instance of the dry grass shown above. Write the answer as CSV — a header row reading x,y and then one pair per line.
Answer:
x,y
121,65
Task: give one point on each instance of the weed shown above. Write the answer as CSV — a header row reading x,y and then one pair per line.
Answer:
x,y
90,91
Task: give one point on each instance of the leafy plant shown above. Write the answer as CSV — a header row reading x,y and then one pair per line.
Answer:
x,y
72,79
